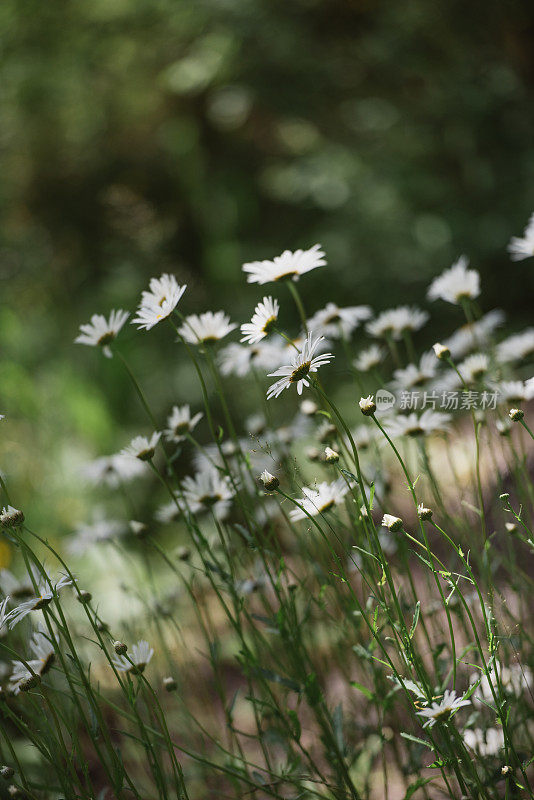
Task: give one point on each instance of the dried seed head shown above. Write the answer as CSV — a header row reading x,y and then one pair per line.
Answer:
x,y
516,414
367,406
442,352
120,648
331,456
169,684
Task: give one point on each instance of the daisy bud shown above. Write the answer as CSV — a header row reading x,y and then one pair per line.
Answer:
x,y
511,527
506,770
424,513
138,528
330,456
183,553
14,791
367,406
363,511
308,407
312,454
504,496
84,597
11,517
270,482
442,352
169,684
120,648
7,772
29,683
392,523
516,414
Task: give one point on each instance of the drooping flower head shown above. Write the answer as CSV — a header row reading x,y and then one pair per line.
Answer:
x,y
137,659
100,332
523,247
263,320
159,302
396,321
302,365
456,283
288,266
336,322
209,490
180,423
142,447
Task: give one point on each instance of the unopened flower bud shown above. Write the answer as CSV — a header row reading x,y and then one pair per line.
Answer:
x,y
139,529
506,770
392,523
511,527
120,648
183,553
7,772
169,684
442,352
516,414
367,406
504,496
270,482
11,517
14,791
84,597
308,407
330,456
424,513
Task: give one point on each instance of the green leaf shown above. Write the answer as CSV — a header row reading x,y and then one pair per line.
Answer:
x,y
416,739
363,689
415,619
413,787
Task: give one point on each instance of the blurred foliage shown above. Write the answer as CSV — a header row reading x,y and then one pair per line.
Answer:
x,y
143,135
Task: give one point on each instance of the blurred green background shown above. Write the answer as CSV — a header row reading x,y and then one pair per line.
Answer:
x,y
140,136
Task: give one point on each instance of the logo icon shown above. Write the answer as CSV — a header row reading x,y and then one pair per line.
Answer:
x,y
384,400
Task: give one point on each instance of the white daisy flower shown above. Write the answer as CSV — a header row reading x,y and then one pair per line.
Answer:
x,y
363,435
516,347
22,674
263,321
159,302
413,425
180,422
169,512
395,321
142,447
136,661
369,358
290,265
338,323
298,372
206,328
523,247
11,517
239,359
15,588
485,743
86,536
112,471
456,283
100,332
392,523
320,498
514,680
208,491
442,710
474,335
3,614
45,594
511,391
474,367
413,376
